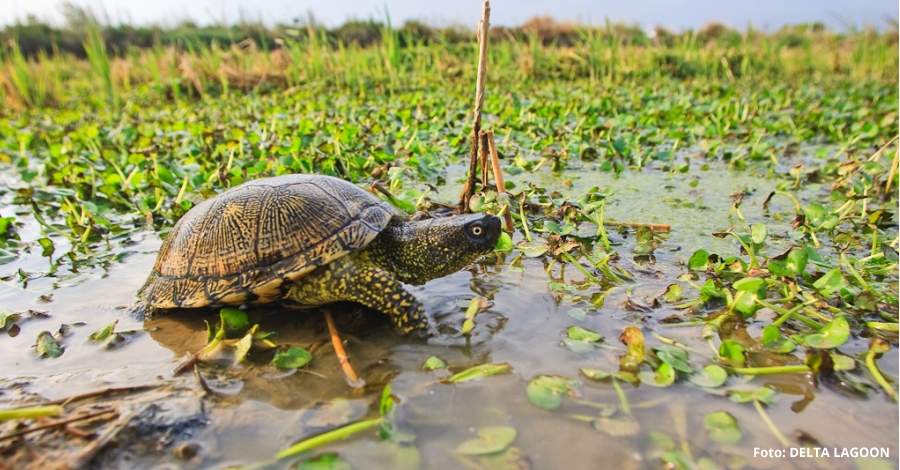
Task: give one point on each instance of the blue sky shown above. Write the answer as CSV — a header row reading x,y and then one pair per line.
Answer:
x,y
676,14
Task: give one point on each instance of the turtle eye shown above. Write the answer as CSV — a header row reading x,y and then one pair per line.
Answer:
x,y
476,230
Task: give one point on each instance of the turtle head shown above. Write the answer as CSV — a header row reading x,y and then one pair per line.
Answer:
x,y
417,252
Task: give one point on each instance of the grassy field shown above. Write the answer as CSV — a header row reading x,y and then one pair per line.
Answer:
x,y
108,137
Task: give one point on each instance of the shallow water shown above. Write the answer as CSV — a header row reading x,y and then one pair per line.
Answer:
x,y
254,411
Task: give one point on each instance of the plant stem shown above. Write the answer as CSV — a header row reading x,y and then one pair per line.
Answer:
x,y
330,436
31,412
770,424
570,259
772,369
622,398
873,369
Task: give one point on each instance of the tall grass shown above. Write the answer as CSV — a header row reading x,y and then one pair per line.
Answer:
x,y
95,48
312,56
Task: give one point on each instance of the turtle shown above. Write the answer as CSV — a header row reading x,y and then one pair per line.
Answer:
x,y
313,240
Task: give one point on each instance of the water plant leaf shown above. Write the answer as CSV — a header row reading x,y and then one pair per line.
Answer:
x,y
617,427
772,339
7,318
102,335
490,441
673,293
293,358
699,261
47,346
478,372
547,391
733,352
830,282
764,395
595,374
386,404
504,243
633,338
674,356
779,268
235,322
663,376
577,313
578,333
722,427
534,251
711,376
758,233
242,346
796,260
433,363
831,335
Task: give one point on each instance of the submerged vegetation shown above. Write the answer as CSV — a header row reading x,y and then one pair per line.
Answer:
x,y
798,278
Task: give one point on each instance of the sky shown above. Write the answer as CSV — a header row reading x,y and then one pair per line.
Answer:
x,y
675,14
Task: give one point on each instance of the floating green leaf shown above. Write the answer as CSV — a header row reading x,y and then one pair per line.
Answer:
x,y
595,374
796,260
235,321
699,261
673,293
624,426
479,372
577,313
547,391
674,356
733,352
578,333
764,395
293,358
433,363
722,427
710,377
831,335
104,334
758,233
830,282
663,376
490,441
47,346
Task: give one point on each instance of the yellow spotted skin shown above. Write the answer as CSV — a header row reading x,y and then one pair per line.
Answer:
x,y
411,252
351,278
313,239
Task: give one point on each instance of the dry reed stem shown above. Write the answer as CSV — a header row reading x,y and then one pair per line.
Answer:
x,y
498,174
484,25
892,174
352,378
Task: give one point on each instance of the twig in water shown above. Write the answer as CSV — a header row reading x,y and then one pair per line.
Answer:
x,y
54,424
352,378
68,400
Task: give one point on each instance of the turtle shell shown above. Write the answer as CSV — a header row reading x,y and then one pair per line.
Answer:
x,y
246,243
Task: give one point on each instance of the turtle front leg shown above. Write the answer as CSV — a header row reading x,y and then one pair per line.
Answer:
x,y
345,279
